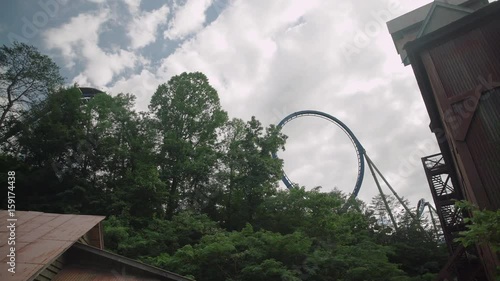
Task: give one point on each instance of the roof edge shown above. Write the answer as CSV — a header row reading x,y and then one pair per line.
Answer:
x,y
130,262
392,25
461,25
433,9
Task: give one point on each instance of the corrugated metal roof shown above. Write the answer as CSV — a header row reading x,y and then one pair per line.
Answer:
x,y
40,238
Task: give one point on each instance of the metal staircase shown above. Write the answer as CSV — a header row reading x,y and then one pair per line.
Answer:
x,y
462,264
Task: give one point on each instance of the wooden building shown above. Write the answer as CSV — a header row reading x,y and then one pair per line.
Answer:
x,y
455,55
67,247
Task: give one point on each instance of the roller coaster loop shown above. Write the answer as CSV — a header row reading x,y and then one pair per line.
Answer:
x,y
362,156
357,145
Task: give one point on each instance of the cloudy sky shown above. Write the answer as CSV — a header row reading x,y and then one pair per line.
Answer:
x,y
265,58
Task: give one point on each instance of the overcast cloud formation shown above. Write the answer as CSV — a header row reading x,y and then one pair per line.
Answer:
x,y
265,58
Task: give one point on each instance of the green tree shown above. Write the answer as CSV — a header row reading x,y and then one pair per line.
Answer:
x,y
158,236
297,209
243,255
320,243
118,156
380,212
249,174
94,157
40,145
483,227
414,245
187,118
26,77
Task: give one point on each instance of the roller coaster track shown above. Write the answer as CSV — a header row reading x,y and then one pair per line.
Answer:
x,y
422,203
357,145
361,155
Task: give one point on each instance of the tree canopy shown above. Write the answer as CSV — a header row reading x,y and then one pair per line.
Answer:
x,y
26,77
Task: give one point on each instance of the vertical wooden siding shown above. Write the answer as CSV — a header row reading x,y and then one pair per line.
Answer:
x,y
468,68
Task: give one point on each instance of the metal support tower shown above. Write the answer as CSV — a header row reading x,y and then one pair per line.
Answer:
x,y
432,211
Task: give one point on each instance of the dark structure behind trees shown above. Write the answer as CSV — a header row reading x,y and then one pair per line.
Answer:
x,y
88,93
457,67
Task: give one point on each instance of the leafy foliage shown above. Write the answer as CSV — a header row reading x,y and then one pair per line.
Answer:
x,y
26,77
483,226
186,118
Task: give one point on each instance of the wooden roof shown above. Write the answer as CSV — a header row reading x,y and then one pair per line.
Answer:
x,y
84,262
40,239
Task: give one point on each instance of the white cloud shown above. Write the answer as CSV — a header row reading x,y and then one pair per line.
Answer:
x,y
78,41
79,30
188,19
142,85
238,49
133,6
102,66
144,26
81,80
